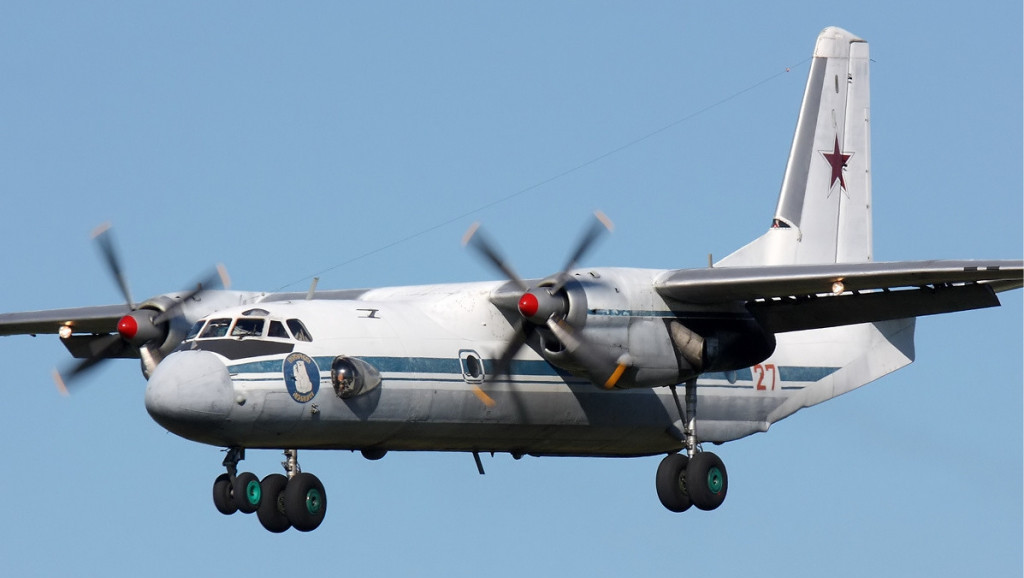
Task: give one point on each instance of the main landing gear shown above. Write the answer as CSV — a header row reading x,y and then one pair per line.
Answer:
x,y
696,479
297,500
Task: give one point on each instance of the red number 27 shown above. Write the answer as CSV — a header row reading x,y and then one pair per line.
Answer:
x,y
766,376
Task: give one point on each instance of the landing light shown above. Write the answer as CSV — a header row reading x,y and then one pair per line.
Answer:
x,y
64,331
838,288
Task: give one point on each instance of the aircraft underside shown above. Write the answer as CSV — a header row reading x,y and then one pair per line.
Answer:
x,y
438,416
257,404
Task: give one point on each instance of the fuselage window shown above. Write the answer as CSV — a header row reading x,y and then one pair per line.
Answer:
x,y
473,368
299,330
216,328
195,330
277,330
248,328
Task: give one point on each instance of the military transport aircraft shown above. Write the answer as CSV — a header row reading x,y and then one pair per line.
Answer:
x,y
585,362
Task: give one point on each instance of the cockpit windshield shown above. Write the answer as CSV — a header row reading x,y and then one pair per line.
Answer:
x,y
246,327
277,330
299,330
216,328
192,333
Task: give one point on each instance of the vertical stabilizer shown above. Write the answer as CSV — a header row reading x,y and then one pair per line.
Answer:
x,y
824,210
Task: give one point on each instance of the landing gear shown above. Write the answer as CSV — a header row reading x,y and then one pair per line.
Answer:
x,y
222,495
246,492
706,481
671,483
271,510
305,502
297,500
699,478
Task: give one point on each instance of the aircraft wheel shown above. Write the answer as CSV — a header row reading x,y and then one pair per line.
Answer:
x,y
222,495
305,502
706,480
271,511
246,492
671,483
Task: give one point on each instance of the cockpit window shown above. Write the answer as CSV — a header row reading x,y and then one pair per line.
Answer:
x,y
277,330
299,330
216,328
195,330
248,328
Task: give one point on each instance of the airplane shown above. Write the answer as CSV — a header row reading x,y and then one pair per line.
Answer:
x,y
585,362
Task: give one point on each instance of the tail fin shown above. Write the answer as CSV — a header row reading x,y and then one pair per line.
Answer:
x,y
824,211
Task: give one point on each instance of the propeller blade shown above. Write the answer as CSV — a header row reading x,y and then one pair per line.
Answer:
x,y
504,361
139,329
598,227
483,397
150,359
109,346
547,306
102,236
217,278
581,350
476,239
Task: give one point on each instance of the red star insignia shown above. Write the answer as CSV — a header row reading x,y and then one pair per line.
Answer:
x,y
837,160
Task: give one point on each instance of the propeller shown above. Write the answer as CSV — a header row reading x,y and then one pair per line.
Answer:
x,y
142,328
546,305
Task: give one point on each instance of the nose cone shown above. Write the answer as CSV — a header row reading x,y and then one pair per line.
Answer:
x,y
190,394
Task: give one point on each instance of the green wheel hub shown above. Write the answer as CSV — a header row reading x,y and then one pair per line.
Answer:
x,y
253,492
715,480
314,501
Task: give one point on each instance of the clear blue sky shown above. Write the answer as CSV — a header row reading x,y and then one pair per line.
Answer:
x,y
285,140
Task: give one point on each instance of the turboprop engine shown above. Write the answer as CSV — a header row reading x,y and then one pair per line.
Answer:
x,y
595,324
149,331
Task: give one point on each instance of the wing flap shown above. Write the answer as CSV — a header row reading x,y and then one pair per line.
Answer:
x,y
725,284
798,314
93,346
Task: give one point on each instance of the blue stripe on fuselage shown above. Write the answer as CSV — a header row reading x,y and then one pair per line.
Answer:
x,y
532,368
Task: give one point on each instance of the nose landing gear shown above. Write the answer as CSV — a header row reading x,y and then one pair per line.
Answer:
x,y
297,500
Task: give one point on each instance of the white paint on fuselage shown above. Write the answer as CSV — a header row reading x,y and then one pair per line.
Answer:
x,y
414,336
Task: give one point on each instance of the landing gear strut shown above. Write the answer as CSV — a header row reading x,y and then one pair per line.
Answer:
x,y
698,478
297,500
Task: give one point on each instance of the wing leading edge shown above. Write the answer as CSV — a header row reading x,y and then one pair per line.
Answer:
x,y
798,297
97,319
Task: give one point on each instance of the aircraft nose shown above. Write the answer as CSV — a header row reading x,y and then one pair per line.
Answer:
x,y
190,392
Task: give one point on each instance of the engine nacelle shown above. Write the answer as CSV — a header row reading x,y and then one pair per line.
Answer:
x,y
621,328
163,337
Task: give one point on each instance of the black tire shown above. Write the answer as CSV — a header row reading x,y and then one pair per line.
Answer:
x,y
706,481
246,492
222,495
671,483
305,502
271,511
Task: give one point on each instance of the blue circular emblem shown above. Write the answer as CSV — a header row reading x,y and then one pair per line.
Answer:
x,y
301,377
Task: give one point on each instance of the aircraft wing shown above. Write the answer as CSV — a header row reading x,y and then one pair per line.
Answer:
x,y
798,297
99,319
